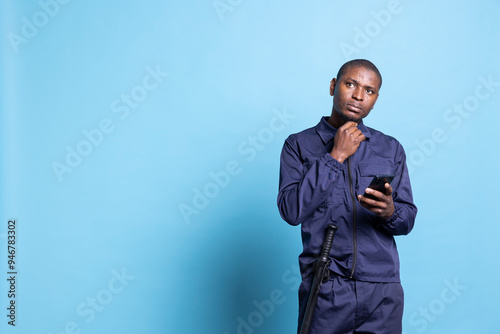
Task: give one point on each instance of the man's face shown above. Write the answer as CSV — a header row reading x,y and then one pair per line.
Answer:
x,y
355,93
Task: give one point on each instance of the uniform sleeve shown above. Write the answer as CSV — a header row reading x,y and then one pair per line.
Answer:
x,y
303,188
405,211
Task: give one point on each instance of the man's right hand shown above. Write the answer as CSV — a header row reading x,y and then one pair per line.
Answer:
x,y
346,141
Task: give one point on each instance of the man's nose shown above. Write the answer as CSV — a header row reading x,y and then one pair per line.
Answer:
x,y
358,94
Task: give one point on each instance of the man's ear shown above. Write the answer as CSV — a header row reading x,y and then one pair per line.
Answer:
x,y
332,86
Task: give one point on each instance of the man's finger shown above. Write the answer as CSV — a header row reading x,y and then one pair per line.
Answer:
x,y
359,139
375,193
368,202
388,189
353,132
348,125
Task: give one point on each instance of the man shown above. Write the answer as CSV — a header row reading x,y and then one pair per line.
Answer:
x,y
324,174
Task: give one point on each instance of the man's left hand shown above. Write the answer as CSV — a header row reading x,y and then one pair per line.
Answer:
x,y
379,203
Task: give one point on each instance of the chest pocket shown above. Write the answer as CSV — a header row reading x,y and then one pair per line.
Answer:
x,y
368,170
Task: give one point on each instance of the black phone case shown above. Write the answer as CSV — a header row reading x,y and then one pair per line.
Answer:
x,y
378,183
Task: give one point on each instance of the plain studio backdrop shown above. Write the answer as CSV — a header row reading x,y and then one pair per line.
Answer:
x,y
140,147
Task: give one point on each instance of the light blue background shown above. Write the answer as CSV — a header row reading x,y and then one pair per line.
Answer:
x,y
229,73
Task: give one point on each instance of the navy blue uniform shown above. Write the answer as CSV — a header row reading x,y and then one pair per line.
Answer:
x,y
315,190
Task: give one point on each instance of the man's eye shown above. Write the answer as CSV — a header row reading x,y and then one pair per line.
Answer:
x,y
369,91
350,84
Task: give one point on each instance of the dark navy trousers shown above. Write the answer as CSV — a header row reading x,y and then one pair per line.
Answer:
x,y
348,306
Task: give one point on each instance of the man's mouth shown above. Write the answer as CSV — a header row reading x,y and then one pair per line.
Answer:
x,y
354,108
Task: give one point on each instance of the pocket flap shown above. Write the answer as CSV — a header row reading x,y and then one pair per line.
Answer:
x,y
372,169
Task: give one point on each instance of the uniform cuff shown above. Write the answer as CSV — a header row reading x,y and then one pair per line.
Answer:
x,y
331,162
394,216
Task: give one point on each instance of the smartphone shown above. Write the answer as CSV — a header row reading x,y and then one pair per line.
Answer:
x,y
379,181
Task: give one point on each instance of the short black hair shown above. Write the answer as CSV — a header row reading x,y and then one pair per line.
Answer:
x,y
359,63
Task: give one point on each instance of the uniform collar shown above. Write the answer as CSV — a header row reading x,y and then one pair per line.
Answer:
x,y
327,132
